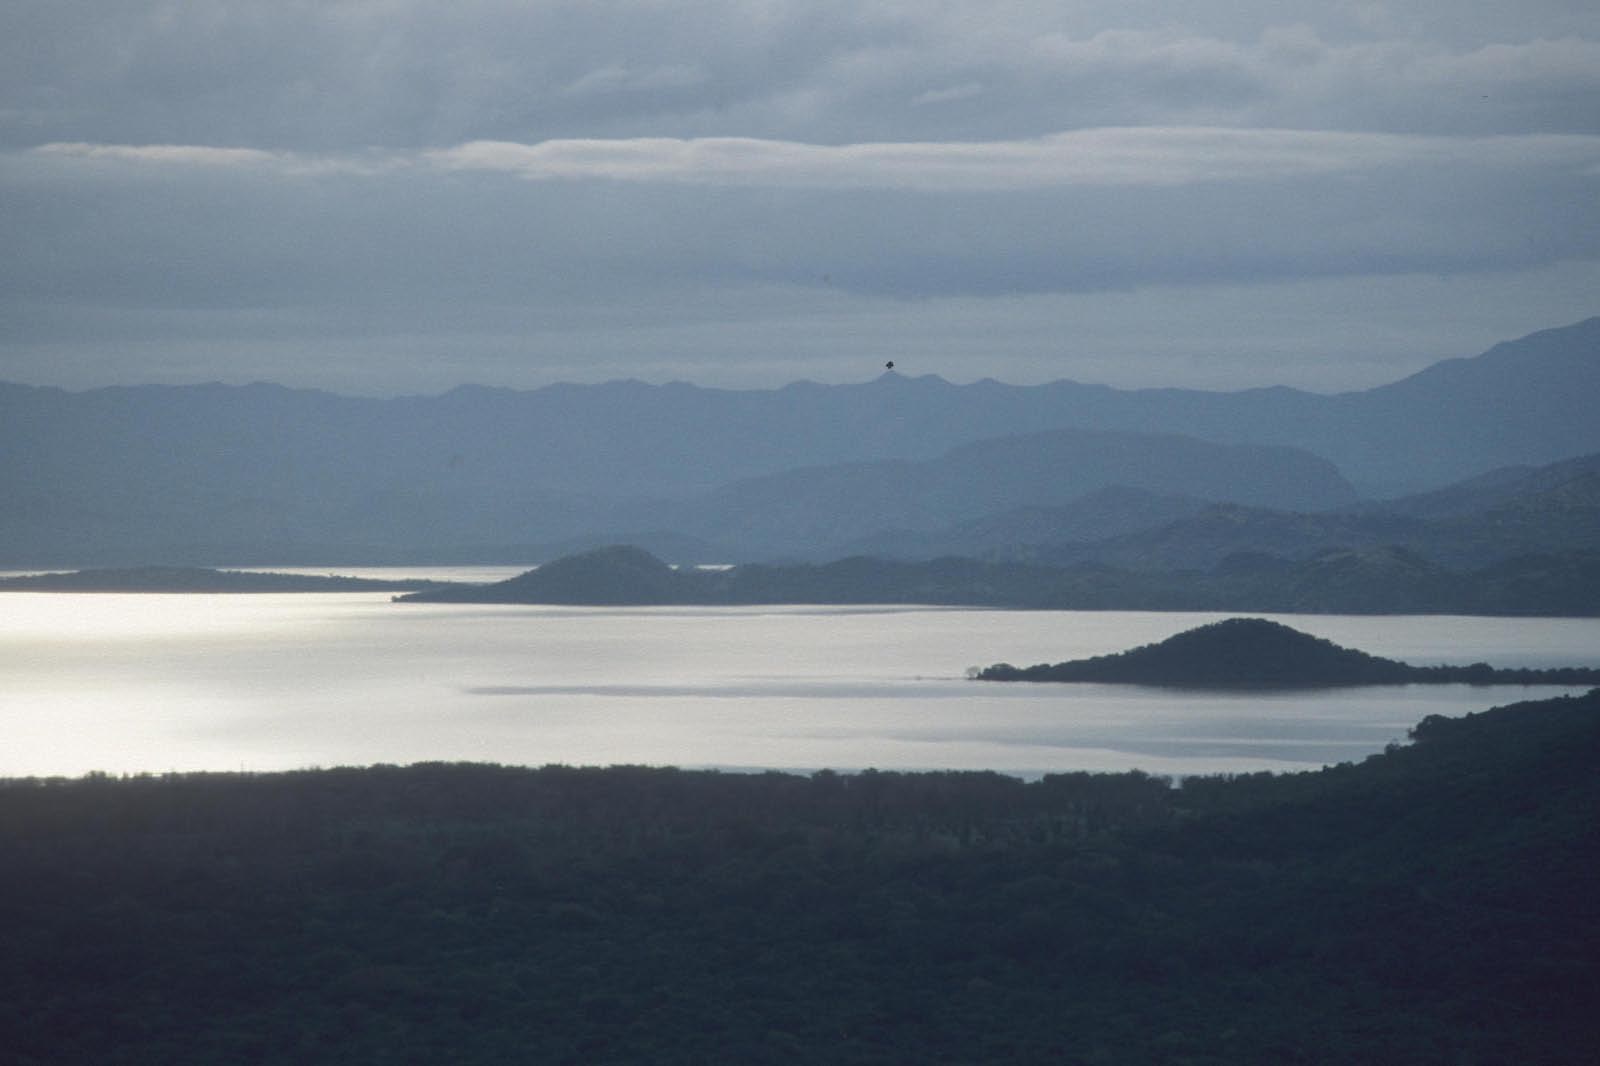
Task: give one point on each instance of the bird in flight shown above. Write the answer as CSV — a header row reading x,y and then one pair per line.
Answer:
x,y
889,365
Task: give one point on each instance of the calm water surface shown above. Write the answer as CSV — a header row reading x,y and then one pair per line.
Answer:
x,y
151,682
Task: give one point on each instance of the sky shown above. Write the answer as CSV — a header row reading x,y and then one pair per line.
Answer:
x,y
383,197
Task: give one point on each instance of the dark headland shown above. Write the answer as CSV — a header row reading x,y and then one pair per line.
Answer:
x,y
1256,653
1366,581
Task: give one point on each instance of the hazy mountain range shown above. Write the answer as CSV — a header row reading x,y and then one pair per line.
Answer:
x,y
908,466
1513,512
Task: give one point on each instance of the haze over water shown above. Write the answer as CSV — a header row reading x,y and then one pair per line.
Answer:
x,y
154,682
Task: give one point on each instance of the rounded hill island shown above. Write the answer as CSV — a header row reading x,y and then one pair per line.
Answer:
x,y
614,576
1257,653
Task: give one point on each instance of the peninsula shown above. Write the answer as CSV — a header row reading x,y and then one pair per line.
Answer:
x,y
1367,581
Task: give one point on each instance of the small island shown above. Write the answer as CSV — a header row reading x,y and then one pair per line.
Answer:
x,y
1257,653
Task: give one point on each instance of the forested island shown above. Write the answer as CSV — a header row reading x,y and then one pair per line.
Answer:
x,y
1432,904
1257,653
201,579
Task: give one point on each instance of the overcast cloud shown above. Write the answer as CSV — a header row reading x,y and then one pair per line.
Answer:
x,y
392,196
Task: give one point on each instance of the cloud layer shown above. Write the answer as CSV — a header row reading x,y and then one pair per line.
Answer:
x,y
335,73
401,195
1117,157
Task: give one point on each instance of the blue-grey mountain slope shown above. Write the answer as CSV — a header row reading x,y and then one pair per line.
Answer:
x,y
1019,532
798,511
216,474
1551,510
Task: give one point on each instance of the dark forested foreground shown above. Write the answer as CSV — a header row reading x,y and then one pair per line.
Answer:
x,y
1434,904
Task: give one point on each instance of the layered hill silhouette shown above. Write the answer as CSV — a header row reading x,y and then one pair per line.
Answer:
x,y
1552,510
809,512
218,475
1503,515
1023,532
1254,652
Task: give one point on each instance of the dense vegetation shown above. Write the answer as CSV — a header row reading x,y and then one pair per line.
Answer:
x,y
1434,904
1256,652
1379,581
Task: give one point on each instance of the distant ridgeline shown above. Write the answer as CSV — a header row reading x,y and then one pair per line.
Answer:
x,y
1253,652
914,467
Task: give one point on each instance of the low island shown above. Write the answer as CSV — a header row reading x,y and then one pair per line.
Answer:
x,y
201,579
1257,653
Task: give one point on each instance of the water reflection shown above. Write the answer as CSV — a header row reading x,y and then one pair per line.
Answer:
x,y
141,682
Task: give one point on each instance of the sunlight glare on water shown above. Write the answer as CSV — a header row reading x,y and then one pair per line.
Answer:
x,y
154,682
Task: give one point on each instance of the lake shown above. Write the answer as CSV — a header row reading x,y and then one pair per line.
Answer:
x,y
152,682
